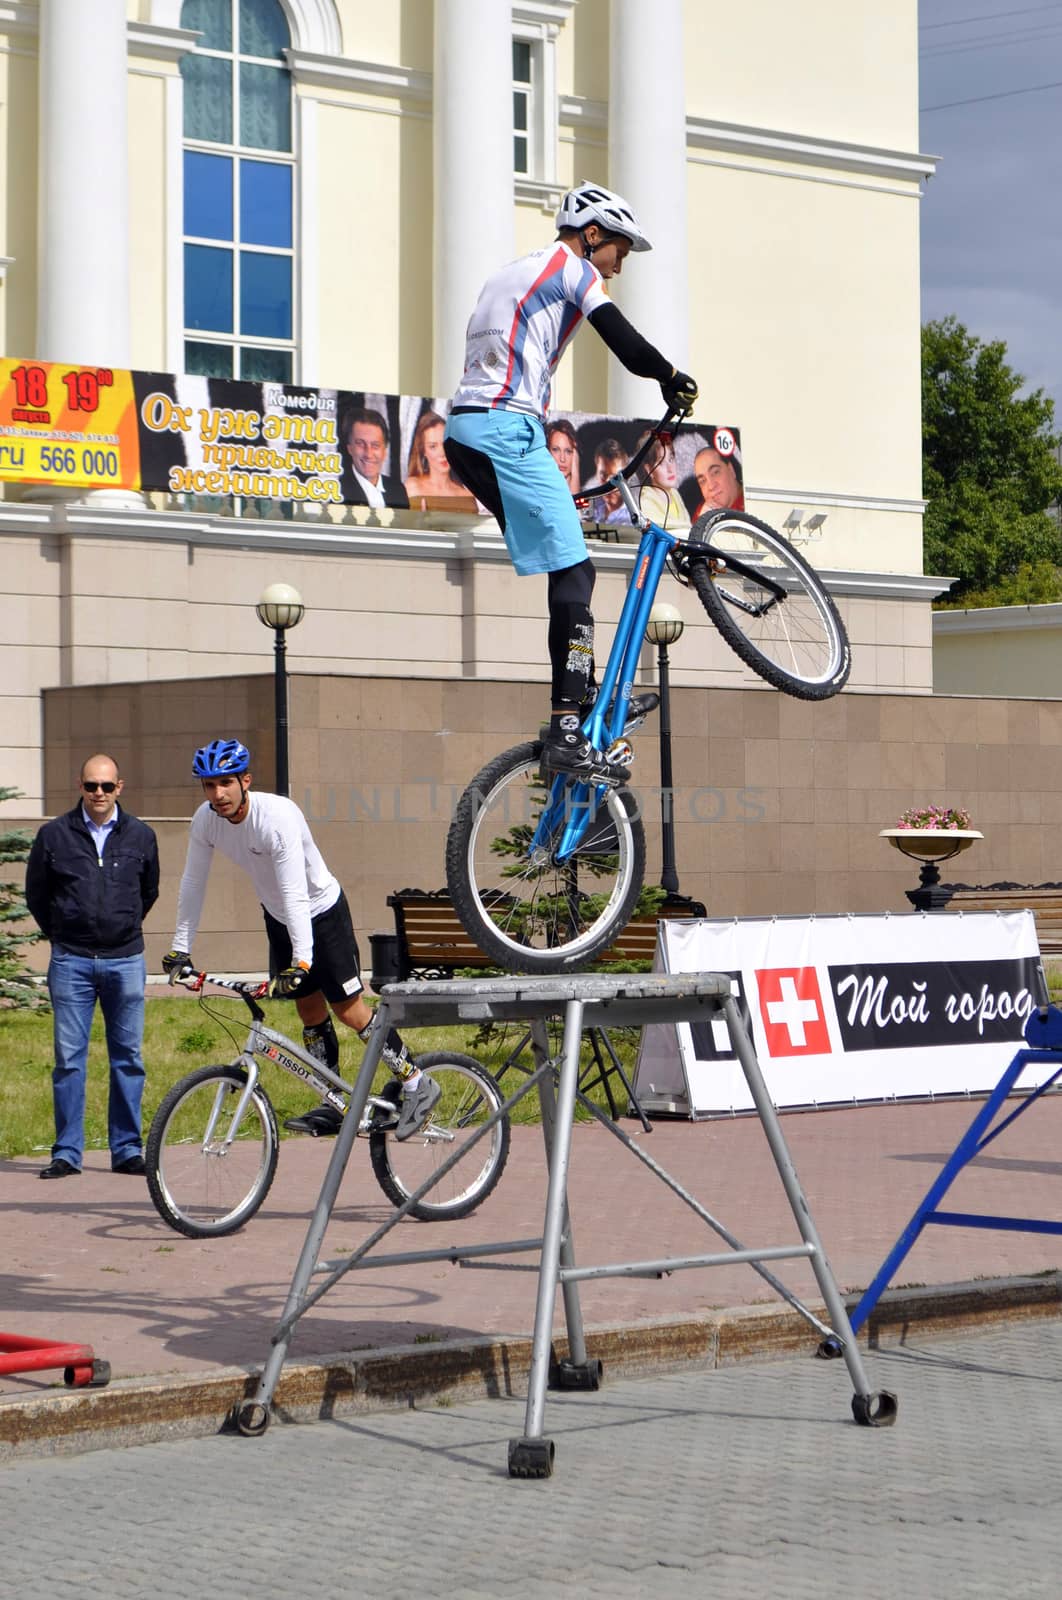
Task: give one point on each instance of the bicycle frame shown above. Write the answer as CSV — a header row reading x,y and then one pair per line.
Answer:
x,y
574,803
275,1046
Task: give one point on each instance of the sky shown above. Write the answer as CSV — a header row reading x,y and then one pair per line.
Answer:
x,y
992,214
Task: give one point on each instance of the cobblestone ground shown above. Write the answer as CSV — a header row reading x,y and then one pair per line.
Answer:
x,y
748,1483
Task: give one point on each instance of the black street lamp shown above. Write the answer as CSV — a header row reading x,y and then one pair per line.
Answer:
x,y
280,608
664,627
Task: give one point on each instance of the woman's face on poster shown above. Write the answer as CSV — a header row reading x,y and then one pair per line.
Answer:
x,y
665,472
562,449
432,444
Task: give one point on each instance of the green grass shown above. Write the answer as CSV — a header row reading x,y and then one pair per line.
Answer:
x,y
179,1037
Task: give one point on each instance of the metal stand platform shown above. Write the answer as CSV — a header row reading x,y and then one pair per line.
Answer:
x,y
583,1002
1043,1031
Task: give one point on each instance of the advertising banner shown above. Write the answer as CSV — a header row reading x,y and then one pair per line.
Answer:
x,y
91,427
70,426
846,1010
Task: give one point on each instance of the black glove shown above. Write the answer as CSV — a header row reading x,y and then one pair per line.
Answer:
x,y
174,963
680,390
287,984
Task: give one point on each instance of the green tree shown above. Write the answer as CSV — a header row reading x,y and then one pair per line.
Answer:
x,y
990,473
18,987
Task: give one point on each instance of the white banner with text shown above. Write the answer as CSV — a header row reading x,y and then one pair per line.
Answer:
x,y
848,1009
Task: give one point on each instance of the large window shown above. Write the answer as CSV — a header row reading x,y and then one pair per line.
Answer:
x,y
239,264
523,90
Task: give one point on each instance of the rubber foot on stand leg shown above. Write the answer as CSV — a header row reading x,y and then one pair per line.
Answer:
x,y
586,1376
531,1458
830,1348
875,1410
251,1419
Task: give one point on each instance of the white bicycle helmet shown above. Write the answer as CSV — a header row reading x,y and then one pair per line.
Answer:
x,y
589,202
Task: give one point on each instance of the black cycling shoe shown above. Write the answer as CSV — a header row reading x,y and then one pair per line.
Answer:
x,y
570,751
640,707
323,1122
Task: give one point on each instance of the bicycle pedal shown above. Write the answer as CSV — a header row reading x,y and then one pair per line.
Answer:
x,y
621,753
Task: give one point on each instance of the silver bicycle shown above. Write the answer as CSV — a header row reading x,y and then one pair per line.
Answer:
x,y
212,1149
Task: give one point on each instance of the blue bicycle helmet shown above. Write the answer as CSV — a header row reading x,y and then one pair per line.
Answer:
x,y
221,758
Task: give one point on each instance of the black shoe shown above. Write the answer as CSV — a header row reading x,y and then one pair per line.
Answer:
x,y
323,1122
639,707
135,1166
59,1169
568,750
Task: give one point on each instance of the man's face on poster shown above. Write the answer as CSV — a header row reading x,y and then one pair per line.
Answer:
x,y
368,448
716,479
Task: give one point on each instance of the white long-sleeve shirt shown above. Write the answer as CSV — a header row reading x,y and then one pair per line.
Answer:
x,y
274,846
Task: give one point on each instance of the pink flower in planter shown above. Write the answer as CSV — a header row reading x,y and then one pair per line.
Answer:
x,y
951,818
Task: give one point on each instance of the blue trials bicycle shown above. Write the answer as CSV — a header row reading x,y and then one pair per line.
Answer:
x,y
544,870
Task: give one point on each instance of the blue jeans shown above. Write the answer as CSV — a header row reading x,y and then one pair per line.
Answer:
x,y
75,983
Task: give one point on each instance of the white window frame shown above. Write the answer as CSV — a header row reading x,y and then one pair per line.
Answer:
x,y
316,32
538,23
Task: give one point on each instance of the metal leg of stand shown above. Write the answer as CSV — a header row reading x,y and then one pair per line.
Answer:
x,y
875,1410
573,1315
532,1456
617,1066
252,1417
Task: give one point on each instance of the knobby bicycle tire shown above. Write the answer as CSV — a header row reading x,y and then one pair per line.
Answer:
x,y
540,915
469,1097
201,1188
796,642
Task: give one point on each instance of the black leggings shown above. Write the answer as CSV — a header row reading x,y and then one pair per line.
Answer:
x,y
571,625
571,634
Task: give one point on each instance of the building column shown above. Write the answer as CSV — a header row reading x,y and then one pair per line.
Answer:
x,y
472,115
647,166
83,184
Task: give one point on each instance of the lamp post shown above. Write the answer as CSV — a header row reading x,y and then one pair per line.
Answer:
x,y
280,608
664,627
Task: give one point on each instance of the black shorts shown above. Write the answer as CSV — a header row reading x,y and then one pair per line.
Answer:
x,y
335,970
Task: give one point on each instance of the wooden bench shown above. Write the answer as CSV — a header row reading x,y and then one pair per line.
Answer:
x,y
430,942
1044,900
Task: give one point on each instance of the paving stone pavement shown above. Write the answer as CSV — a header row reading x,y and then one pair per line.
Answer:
x,y
90,1260
751,1483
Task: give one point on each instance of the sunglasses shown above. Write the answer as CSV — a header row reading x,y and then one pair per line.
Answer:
x,y
90,788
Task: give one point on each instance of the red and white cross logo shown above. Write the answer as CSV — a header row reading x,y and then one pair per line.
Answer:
x,y
791,1008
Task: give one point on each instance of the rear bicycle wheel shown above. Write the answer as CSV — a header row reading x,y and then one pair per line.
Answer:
x,y
525,906
469,1097
775,612
206,1173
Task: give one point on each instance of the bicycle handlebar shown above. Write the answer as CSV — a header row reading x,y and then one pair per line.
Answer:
x,y
189,978
673,418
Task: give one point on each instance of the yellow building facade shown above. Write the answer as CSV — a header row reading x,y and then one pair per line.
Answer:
x,y
386,158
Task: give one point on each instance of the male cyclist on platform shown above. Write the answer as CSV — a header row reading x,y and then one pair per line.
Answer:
x,y
313,954
496,445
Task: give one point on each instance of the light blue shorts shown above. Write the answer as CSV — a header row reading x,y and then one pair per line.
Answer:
x,y
542,531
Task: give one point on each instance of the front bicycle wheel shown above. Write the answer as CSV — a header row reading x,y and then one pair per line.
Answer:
x,y
769,605
469,1097
209,1165
531,902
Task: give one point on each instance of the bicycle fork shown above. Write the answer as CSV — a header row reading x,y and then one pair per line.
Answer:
x,y
221,1147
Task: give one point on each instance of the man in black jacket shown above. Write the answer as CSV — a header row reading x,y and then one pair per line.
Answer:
x,y
91,879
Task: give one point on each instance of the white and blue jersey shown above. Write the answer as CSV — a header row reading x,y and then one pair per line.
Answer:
x,y
523,320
